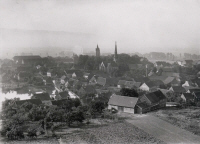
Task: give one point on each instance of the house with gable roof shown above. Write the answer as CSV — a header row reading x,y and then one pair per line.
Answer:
x,y
196,96
192,90
151,101
177,89
150,85
122,103
188,98
172,81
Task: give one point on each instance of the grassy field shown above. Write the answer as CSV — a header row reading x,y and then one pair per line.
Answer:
x,y
187,119
113,133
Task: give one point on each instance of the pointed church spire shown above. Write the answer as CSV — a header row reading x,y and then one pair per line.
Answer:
x,y
115,49
115,55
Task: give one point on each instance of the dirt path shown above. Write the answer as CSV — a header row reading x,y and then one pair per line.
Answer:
x,y
163,130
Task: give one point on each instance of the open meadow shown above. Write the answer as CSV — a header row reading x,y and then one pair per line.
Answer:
x,y
113,133
187,118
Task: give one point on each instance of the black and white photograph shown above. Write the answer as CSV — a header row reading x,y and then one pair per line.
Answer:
x,y
99,71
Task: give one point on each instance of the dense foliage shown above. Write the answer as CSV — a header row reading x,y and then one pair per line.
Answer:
x,y
129,92
16,117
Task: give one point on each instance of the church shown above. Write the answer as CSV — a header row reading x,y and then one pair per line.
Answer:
x,y
115,54
110,66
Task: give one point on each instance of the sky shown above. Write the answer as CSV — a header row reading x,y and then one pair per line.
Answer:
x,y
51,26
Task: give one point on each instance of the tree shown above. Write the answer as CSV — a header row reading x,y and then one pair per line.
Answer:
x,y
128,92
82,60
154,70
76,102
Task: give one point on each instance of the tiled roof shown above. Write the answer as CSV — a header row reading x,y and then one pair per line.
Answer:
x,y
33,101
123,101
189,88
168,80
172,74
197,94
160,95
194,90
111,81
64,94
162,78
89,89
121,82
142,105
156,96
152,97
188,96
101,81
141,79
179,89
151,84
137,84
41,96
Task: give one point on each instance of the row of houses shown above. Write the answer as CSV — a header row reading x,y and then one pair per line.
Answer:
x,y
44,98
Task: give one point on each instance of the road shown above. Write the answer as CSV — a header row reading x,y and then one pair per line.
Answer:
x,y
163,130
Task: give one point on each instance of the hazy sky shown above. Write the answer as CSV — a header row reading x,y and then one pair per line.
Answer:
x,y
136,25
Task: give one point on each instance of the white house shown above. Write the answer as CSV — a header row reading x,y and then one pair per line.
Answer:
x,y
122,103
74,75
144,87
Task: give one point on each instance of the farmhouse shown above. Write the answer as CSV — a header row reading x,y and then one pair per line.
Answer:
x,y
122,103
151,101
187,98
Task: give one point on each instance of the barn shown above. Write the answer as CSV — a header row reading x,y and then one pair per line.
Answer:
x,y
122,103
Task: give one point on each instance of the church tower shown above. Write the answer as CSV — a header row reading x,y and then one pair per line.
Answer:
x,y
115,55
97,51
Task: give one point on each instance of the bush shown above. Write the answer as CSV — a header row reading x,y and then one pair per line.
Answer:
x,y
108,115
15,134
32,131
